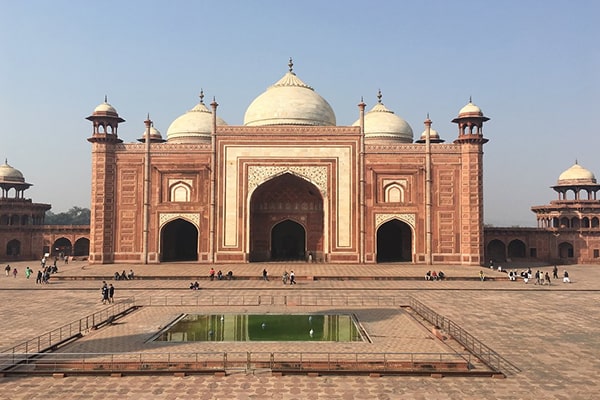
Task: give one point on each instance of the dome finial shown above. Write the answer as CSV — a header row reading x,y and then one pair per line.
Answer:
x,y
201,96
470,99
379,96
576,161
105,98
291,65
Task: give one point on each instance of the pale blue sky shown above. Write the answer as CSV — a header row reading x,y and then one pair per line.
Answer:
x,y
532,66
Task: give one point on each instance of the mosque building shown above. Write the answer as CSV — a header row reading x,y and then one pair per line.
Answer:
x,y
287,185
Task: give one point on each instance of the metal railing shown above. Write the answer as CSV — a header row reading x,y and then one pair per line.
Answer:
x,y
480,350
51,340
210,362
272,300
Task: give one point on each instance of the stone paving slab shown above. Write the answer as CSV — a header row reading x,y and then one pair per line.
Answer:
x,y
552,334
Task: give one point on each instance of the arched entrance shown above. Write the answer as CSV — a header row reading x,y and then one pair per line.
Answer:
x,y
274,207
179,241
496,251
81,247
565,250
288,241
13,248
394,242
61,246
517,249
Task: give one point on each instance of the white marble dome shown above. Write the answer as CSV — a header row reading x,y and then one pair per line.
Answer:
x,y
193,126
433,135
9,174
577,175
105,109
470,110
289,102
381,123
154,134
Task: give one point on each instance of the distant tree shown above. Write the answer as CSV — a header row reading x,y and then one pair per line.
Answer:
x,y
75,216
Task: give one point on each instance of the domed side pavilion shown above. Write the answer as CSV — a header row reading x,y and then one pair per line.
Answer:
x,y
23,235
568,229
287,185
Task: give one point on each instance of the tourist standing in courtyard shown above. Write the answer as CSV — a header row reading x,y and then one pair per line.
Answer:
x,y
104,291
555,272
265,278
111,293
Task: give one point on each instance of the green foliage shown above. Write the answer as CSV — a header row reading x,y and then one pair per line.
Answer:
x,y
75,216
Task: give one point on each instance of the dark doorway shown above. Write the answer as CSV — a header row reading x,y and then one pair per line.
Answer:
x,y
288,241
179,241
517,249
496,251
13,248
394,242
61,246
82,247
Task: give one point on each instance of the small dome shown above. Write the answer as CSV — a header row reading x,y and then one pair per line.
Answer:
x,y
289,102
155,135
577,175
193,126
381,123
105,109
434,137
470,110
9,174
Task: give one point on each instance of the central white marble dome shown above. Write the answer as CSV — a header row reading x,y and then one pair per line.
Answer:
x,y
289,102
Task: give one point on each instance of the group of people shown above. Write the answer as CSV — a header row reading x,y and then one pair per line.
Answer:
x,y
291,277
539,277
219,275
108,293
124,276
435,276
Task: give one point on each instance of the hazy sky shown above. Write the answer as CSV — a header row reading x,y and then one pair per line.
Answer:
x,y
532,66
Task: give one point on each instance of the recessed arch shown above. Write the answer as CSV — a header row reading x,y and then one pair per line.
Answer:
x,y
81,247
394,242
517,249
286,197
61,245
13,248
179,241
496,250
288,241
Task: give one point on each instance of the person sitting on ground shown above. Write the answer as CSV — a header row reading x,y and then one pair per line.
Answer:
x,y
481,275
219,275
434,275
428,276
211,273
441,275
566,278
230,275
191,285
117,276
130,274
123,276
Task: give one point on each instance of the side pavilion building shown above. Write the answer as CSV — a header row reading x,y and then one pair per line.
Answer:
x,y
289,184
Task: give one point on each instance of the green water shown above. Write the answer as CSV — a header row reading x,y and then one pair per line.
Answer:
x,y
266,327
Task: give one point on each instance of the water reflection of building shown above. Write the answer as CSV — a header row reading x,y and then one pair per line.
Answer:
x,y
23,235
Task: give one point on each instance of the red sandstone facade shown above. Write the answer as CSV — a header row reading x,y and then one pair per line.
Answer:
x,y
287,190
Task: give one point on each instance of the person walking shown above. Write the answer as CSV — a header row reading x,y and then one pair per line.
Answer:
x,y
111,293
292,278
265,278
547,278
104,292
15,272
284,277
7,270
28,272
555,272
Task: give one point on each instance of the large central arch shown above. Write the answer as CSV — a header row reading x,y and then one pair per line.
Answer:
x,y
394,242
179,241
286,220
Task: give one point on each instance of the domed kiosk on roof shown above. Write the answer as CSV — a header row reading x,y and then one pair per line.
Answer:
x,y
382,124
289,102
193,126
155,136
576,175
9,174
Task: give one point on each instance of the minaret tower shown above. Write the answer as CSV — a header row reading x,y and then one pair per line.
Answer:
x,y
470,136
104,139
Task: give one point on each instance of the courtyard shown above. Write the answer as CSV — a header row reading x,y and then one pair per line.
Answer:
x,y
549,333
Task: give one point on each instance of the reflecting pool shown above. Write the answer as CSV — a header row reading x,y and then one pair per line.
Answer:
x,y
261,327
